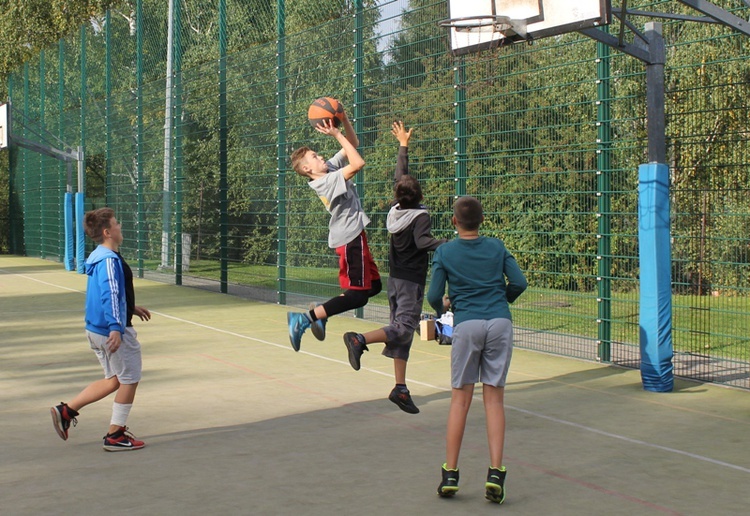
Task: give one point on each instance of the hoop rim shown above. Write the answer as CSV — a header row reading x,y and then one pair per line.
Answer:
x,y
497,22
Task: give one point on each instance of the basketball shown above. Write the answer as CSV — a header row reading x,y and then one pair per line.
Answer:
x,y
325,108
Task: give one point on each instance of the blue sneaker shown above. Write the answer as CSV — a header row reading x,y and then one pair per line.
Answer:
x,y
298,323
318,328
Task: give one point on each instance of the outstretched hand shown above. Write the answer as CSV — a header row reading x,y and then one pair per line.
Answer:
x,y
401,134
327,127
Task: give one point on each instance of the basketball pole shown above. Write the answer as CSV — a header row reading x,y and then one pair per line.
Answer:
x,y
654,232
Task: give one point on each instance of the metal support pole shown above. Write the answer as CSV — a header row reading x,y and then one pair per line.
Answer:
x,y
654,232
657,146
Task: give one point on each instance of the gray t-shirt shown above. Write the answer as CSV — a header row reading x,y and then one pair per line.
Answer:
x,y
340,198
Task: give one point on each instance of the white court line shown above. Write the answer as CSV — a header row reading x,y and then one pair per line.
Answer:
x,y
523,411
42,282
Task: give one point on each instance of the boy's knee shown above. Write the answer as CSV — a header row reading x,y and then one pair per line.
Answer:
x,y
376,288
357,298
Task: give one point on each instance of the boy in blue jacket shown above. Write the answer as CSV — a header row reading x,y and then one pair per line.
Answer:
x,y
110,306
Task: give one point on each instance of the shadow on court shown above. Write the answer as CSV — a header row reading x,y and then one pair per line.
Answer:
x,y
237,423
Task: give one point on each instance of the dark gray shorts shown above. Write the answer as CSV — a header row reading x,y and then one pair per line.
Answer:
x,y
405,299
481,351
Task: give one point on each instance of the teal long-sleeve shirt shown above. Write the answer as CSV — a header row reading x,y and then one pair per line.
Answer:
x,y
482,278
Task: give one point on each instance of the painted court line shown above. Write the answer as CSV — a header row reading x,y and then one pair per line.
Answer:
x,y
510,407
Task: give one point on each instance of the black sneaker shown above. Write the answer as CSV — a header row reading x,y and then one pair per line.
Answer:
x,y
495,485
449,486
402,398
356,346
62,417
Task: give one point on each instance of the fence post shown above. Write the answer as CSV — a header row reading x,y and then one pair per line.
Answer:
x,y
42,188
181,258
459,86
359,57
140,223
281,229
223,132
603,186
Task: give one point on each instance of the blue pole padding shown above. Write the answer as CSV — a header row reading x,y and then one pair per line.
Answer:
x,y
80,234
69,259
655,255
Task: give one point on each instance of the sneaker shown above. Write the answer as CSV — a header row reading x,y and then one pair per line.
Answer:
x,y
122,440
449,486
495,485
402,398
62,417
356,346
298,323
318,328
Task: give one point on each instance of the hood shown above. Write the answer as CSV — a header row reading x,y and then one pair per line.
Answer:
x,y
398,219
99,254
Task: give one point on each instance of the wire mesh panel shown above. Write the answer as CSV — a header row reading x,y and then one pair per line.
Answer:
x,y
188,136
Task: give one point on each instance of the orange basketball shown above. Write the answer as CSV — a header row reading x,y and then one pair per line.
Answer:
x,y
325,108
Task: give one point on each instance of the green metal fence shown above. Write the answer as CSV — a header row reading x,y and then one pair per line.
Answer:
x,y
549,136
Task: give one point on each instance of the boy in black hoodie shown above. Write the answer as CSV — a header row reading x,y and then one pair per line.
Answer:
x,y
410,242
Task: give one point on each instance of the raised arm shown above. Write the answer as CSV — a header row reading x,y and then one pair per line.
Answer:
x,y
351,136
402,160
356,163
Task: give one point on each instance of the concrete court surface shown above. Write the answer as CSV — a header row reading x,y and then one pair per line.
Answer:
x,y
238,423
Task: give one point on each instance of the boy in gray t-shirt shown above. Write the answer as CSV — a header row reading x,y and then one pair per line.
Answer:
x,y
358,274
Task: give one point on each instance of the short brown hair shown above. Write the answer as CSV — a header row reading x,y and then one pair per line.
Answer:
x,y
298,157
408,192
96,221
468,212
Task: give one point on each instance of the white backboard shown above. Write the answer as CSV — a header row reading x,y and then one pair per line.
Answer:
x,y
531,19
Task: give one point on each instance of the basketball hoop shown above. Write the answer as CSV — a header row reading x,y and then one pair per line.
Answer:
x,y
486,23
470,33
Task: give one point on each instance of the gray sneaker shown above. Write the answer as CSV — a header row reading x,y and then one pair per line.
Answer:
x,y
318,328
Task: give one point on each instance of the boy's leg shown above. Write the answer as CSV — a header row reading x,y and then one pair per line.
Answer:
x,y
94,392
399,371
121,407
459,409
494,409
400,394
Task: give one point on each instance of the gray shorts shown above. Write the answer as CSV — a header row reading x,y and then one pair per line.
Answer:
x,y
405,299
481,351
125,363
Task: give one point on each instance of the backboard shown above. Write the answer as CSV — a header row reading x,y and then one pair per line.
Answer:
x,y
475,25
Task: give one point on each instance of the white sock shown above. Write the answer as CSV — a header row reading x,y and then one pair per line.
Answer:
x,y
120,413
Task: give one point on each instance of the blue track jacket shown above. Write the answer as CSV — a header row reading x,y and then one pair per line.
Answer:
x,y
106,307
